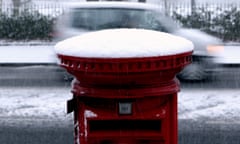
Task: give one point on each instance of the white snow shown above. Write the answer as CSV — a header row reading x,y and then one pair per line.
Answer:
x,y
211,105
42,53
89,114
49,104
123,43
27,54
111,4
22,106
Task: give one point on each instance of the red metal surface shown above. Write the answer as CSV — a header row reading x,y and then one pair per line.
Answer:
x,y
153,120
129,91
125,100
125,71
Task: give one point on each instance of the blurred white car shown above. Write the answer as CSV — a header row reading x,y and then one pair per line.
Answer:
x,y
92,16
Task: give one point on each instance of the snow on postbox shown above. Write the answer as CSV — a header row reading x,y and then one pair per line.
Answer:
x,y
125,89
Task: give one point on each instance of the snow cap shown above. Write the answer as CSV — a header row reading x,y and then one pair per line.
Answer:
x,y
123,43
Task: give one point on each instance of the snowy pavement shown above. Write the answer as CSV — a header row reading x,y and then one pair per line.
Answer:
x,y
27,54
45,54
45,106
42,105
34,106
210,105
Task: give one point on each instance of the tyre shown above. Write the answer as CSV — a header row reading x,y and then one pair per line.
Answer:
x,y
193,72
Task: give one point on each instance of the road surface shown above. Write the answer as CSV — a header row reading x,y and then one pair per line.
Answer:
x,y
53,75
44,130
189,133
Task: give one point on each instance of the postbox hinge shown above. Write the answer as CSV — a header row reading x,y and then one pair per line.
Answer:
x,y
71,105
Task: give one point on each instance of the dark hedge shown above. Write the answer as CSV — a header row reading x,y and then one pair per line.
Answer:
x,y
26,26
225,25
30,26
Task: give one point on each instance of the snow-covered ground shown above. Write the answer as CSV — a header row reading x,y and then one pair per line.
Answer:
x,y
27,54
34,105
22,106
43,52
212,105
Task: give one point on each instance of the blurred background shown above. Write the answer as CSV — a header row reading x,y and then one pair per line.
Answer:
x,y
34,89
218,17
36,22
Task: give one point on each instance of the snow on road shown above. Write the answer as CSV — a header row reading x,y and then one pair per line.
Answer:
x,y
21,104
34,105
210,104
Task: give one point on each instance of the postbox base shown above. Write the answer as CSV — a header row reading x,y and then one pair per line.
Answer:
x,y
146,120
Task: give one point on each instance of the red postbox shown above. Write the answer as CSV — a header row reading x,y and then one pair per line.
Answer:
x,y
125,100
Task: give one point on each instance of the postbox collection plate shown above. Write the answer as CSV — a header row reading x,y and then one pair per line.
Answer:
x,y
125,108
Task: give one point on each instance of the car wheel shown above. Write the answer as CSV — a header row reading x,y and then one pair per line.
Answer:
x,y
193,72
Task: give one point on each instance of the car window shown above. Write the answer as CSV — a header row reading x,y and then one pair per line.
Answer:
x,y
92,19
104,18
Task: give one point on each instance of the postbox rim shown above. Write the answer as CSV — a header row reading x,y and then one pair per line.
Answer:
x,y
129,65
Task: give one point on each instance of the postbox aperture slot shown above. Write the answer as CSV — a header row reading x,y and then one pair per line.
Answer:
x,y
125,125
